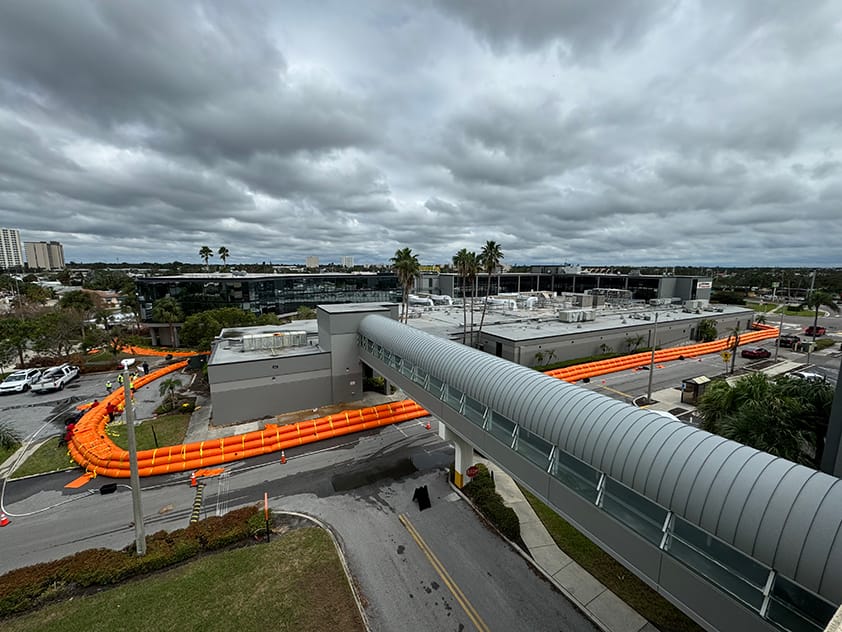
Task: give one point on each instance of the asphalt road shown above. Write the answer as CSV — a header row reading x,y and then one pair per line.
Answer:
x,y
360,486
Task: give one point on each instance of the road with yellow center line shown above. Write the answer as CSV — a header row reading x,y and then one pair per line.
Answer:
x,y
469,609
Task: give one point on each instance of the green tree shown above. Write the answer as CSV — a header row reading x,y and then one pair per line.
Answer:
x,y
169,386
15,334
785,417
223,254
462,264
304,313
815,300
199,330
489,260
56,333
112,280
706,331
406,267
205,253
633,342
168,310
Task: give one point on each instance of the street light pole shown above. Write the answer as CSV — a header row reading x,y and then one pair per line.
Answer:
x,y
809,296
652,360
780,331
140,536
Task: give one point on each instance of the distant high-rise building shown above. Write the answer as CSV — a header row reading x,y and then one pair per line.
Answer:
x,y
312,262
43,255
347,262
11,253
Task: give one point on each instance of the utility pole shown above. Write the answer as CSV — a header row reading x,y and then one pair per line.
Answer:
x,y
140,536
780,331
809,296
652,360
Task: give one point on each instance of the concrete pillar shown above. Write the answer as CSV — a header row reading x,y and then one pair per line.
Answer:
x,y
464,453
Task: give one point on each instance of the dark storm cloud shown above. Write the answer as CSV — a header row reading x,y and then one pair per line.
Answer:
x,y
639,132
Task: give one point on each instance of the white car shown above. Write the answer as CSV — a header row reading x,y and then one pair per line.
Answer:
x,y
19,381
808,376
55,378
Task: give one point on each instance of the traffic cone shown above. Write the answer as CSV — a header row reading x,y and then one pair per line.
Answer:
x,y
283,457
428,426
4,520
193,479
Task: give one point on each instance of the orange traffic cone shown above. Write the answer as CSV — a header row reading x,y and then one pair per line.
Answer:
x,y
4,520
193,479
428,426
283,457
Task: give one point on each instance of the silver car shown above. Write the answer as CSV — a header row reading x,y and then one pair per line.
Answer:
x,y
19,381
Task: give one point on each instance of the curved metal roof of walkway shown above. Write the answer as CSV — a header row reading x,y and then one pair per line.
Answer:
x,y
786,515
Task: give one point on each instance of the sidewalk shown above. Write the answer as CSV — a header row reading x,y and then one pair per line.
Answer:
x,y
605,608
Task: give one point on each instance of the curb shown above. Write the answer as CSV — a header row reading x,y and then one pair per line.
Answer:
x,y
341,554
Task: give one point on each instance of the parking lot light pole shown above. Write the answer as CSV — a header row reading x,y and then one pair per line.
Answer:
x,y
652,360
780,331
140,536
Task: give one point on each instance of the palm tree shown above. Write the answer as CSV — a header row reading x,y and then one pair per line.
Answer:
x,y
168,310
205,253
223,254
169,385
815,300
406,267
466,266
489,261
734,339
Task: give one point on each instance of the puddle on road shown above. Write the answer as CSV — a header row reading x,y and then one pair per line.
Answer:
x,y
371,473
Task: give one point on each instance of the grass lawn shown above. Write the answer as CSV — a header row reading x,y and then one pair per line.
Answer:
x,y
169,429
5,453
762,307
824,343
799,312
610,572
51,457
294,583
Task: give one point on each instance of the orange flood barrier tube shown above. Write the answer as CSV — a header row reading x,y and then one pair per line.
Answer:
x,y
93,449
614,365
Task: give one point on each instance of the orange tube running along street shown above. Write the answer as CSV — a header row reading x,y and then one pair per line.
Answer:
x,y
614,365
93,449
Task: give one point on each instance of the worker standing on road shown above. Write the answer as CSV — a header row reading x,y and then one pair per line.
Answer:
x,y
145,366
120,379
108,386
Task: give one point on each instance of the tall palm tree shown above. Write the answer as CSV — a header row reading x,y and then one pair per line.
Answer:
x,y
223,254
466,266
815,300
205,253
489,260
406,267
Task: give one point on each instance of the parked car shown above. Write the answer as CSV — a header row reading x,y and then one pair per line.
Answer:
x,y
755,352
808,375
19,381
55,378
788,340
819,330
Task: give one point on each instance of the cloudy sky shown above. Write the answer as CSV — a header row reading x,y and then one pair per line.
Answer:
x,y
622,132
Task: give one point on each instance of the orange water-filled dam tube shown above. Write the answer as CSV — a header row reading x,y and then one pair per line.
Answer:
x,y
96,452
614,365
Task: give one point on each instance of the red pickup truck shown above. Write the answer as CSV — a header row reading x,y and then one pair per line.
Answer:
x,y
818,331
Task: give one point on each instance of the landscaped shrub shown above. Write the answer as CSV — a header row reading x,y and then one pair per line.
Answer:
x,y
27,588
482,493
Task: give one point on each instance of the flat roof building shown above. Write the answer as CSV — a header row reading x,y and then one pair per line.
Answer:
x,y
44,255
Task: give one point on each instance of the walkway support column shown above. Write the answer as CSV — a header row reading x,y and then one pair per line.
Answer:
x,y
464,454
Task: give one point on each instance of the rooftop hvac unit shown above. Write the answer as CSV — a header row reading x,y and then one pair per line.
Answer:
x,y
275,341
588,314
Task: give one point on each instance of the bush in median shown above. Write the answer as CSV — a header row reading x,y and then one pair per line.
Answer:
x,y
482,493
